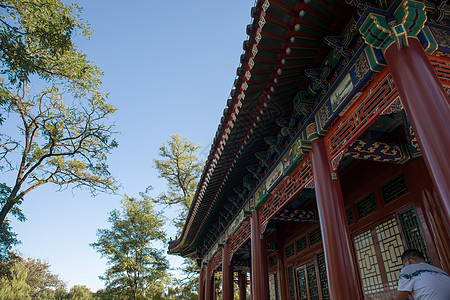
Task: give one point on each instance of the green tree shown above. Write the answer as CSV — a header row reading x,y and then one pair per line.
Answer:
x,y
40,282
136,270
63,134
179,290
80,292
180,166
7,237
36,38
13,286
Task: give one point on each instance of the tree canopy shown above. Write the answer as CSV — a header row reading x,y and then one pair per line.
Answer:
x,y
55,117
36,38
31,279
136,269
180,166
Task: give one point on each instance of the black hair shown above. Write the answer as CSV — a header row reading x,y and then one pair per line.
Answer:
x,y
412,254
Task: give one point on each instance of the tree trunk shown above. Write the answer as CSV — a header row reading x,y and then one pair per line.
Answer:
x,y
8,205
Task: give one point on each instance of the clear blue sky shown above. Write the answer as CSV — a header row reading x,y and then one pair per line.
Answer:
x,y
169,67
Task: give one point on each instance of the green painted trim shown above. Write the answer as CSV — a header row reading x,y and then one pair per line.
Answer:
x,y
374,64
320,130
412,15
376,32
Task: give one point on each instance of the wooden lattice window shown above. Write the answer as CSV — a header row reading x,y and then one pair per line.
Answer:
x,y
302,284
273,260
312,283
394,189
367,259
315,236
391,248
313,286
301,244
378,251
290,250
366,205
323,276
291,282
274,293
413,233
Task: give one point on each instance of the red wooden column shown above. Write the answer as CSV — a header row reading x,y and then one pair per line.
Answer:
x,y
201,286
260,276
343,280
209,284
427,106
227,274
242,282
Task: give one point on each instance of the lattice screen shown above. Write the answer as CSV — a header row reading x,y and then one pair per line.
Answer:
x,y
293,184
240,238
366,205
368,264
273,287
412,231
302,284
313,286
323,276
291,282
391,248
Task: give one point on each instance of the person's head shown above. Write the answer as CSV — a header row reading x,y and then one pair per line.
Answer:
x,y
412,256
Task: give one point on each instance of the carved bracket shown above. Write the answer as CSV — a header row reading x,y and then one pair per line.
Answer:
x,y
410,19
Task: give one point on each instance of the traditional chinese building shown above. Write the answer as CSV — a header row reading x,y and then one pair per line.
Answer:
x,y
332,155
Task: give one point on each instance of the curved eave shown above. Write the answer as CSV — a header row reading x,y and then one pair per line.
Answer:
x,y
285,39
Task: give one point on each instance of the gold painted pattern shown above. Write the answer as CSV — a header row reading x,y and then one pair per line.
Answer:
x,y
361,67
216,262
442,36
292,185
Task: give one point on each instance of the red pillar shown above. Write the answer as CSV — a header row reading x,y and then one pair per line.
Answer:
x,y
201,287
227,274
343,280
242,280
260,275
209,284
428,109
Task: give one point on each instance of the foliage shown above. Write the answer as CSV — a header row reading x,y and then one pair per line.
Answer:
x,y
7,237
29,279
40,279
63,134
136,270
178,291
64,145
36,38
80,292
14,286
181,168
